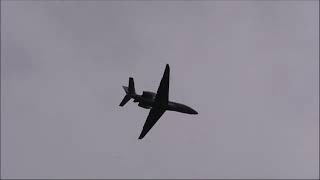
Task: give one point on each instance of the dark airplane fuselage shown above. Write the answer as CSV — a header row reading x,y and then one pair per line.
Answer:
x,y
148,102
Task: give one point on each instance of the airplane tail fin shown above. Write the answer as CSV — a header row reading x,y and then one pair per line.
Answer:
x,y
130,90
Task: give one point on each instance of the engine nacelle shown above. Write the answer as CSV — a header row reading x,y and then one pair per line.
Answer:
x,y
148,95
144,105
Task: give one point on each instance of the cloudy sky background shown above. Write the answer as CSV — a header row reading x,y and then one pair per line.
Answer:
x,y
251,70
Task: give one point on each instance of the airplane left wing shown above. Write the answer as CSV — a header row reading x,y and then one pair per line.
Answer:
x,y
154,115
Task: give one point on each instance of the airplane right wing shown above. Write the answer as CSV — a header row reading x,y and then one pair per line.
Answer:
x,y
162,96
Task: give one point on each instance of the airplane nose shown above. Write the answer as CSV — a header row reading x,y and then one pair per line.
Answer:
x,y
192,111
187,109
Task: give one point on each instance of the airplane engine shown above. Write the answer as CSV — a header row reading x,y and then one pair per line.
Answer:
x,y
148,95
144,105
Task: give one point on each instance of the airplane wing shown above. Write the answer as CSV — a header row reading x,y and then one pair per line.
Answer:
x,y
160,103
153,117
162,96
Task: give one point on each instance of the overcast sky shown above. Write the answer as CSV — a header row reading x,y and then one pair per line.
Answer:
x,y
251,70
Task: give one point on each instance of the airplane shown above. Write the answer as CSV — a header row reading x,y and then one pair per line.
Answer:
x,y
158,102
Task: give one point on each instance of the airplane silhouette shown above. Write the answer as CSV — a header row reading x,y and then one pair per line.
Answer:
x,y
157,102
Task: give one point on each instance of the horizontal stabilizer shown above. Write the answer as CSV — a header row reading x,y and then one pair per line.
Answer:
x,y
125,88
125,100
